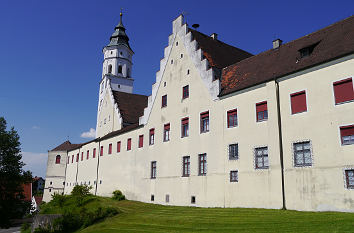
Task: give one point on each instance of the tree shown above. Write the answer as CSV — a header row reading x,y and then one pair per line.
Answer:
x,y
12,176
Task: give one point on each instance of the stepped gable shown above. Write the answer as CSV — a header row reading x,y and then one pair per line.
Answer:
x,y
218,53
329,43
66,146
131,106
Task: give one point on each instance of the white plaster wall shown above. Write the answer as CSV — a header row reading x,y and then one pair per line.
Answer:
x,y
321,186
55,174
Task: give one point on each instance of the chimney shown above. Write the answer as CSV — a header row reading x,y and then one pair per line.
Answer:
x,y
277,43
214,36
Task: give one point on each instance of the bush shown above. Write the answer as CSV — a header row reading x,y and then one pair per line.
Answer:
x,y
118,195
81,190
58,199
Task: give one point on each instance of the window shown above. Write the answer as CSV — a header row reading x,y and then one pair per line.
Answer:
x,y
110,148
204,122
233,151
347,134
186,166
118,146
141,141
77,157
94,153
202,164
349,177
185,92
167,198
298,102
87,154
234,176
119,69
110,69
101,151
129,144
262,111
192,199
152,198
302,154
172,61
82,156
166,132
181,55
232,118
188,72
153,169
185,127
151,136
343,91
57,159
176,43
164,101
72,159
261,158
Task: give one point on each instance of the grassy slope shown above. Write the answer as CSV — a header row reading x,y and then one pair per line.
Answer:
x,y
143,217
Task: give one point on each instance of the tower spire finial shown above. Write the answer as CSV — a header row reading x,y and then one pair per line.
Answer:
x,y
121,14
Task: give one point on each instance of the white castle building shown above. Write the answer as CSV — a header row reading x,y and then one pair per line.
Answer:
x,y
223,127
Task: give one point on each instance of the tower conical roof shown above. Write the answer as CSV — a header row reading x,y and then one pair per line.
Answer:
x,y
119,37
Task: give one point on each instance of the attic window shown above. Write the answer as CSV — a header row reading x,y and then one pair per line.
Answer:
x,y
181,55
176,43
307,51
120,69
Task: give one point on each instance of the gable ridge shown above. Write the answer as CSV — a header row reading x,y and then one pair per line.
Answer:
x,y
196,54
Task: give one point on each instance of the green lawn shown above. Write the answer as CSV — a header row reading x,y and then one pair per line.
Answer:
x,y
142,217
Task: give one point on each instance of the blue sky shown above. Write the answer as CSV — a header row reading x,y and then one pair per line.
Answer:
x,y
51,60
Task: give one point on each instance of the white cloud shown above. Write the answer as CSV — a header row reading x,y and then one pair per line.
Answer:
x,y
89,134
35,162
35,127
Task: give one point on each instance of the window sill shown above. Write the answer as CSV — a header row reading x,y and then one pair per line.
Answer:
x,y
233,159
184,136
230,127
152,178
344,102
262,168
262,120
185,175
207,131
298,112
304,165
202,174
347,144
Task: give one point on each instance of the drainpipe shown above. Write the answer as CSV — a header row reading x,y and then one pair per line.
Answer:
x,y
77,165
66,166
280,144
98,163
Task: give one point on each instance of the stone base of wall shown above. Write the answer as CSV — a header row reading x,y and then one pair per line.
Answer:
x,y
44,221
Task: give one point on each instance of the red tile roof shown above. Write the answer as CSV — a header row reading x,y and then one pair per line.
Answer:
x,y
334,41
66,146
218,53
121,131
131,106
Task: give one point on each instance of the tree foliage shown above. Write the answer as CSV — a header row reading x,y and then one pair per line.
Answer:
x,y
12,176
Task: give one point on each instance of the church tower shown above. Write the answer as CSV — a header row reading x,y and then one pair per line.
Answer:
x,y
116,77
117,64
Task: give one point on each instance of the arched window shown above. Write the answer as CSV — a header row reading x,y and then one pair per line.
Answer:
x,y
119,69
57,159
110,69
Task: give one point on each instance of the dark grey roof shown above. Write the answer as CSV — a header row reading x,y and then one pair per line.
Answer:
x,y
119,37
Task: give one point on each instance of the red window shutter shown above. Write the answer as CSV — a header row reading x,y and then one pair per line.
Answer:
x,y
185,92
152,131
204,114
72,158
141,141
101,151
260,107
118,146
82,156
57,159
298,102
347,130
343,90
167,127
129,144
94,152
185,121
164,101
110,148
229,114
88,154
77,157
